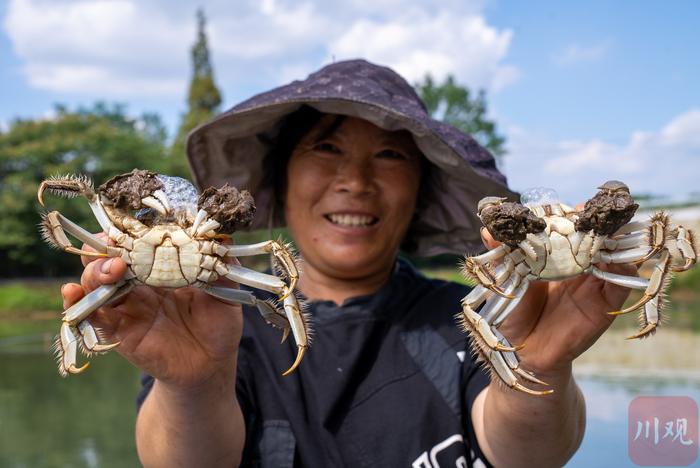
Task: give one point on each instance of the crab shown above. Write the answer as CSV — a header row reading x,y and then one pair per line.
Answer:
x,y
170,237
543,239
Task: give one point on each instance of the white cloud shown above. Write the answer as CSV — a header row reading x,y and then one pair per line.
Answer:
x,y
130,48
666,161
442,43
115,47
574,54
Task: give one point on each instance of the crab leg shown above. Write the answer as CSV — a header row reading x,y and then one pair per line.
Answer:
x,y
511,306
478,272
495,304
685,243
273,284
492,255
54,228
279,251
67,343
627,241
72,186
503,365
631,227
490,344
649,317
243,275
238,296
651,287
473,322
636,255
513,362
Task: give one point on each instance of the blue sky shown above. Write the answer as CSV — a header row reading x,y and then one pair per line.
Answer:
x,y
583,91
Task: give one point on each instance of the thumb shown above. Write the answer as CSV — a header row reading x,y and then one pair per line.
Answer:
x,y
488,240
100,272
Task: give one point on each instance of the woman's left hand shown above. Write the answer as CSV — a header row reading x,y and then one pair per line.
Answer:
x,y
558,320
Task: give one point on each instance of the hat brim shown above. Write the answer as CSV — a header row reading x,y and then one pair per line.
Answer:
x,y
231,149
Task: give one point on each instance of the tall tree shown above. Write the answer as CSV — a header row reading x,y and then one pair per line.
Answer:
x,y
99,142
203,100
454,104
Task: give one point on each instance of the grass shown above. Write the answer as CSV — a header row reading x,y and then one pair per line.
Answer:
x,y
19,297
34,307
30,308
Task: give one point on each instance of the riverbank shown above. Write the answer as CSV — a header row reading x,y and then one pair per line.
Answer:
x,y
670,353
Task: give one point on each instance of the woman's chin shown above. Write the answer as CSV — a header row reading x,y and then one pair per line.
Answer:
x,y
357,262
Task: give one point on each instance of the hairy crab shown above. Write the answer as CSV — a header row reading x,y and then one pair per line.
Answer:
x,y
543,239
169,236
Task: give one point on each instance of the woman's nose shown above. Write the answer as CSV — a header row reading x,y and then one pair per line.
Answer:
x,y
355,177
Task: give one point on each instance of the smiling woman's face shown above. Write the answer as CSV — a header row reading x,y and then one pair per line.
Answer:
x,y
350,196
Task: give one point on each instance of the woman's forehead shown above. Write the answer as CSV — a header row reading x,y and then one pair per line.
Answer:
x,y
352,126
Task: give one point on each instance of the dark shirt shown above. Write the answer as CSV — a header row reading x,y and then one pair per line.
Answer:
x,y
388,381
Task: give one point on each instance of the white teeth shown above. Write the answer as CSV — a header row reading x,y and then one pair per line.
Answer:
x,y
350,220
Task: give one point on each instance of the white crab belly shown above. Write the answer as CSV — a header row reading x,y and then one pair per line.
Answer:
x,y
165,265
561,262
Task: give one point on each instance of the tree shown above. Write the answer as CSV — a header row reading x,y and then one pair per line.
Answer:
x,y
453,104
99,142
203,100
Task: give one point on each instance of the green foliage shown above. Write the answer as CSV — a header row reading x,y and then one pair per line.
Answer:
x,y
454,104
688,280
98,142
203,99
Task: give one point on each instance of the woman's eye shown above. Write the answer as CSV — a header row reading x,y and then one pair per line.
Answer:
x,y
391,154
326,148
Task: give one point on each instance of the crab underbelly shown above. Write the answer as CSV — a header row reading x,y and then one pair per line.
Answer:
x,y
166,265
561,262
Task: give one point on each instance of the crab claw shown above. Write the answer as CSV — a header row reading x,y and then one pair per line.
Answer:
x,y
510,349
530,377
285,334
643,332
500,291
531,392
300,354
156,204
69,186
72,369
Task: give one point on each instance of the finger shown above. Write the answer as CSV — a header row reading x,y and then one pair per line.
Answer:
x,y
103,237
72,293
488,240
102,271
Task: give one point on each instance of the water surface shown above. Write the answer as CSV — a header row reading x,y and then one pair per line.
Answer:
x,y
88,420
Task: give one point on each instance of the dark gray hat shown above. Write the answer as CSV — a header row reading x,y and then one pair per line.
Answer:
x,y
232,147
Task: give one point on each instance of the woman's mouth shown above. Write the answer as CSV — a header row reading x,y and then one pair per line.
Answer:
x,y
351,220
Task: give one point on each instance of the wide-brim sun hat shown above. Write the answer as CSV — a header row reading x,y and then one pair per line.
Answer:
x,y
231,148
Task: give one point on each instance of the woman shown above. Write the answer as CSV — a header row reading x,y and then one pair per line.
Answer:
x,y
357,169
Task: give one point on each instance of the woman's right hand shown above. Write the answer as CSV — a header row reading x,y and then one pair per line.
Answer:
x,y
182,337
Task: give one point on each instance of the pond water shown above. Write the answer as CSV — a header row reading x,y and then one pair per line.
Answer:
x,y
607,402
87,421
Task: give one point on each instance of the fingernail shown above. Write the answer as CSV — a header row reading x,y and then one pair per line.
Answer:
x,y
63,286
106,266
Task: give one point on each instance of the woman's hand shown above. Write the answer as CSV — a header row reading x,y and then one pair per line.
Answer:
x,y
182,337
558,320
